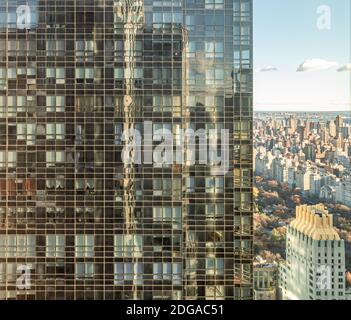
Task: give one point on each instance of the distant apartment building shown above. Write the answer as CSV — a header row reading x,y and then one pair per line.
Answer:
x,y
259,163
264,164
292,176
302,178
327,193
310,152
339,122
342,158
279,169
265,281
315,184
315,258
343,191
292,123
345,131
332,128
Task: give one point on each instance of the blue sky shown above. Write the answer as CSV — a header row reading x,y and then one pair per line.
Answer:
x,y
286,34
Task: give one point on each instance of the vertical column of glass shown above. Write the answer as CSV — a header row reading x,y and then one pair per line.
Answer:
x,y
242,151
130,15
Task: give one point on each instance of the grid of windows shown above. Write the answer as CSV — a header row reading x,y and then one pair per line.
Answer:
x,y
88,225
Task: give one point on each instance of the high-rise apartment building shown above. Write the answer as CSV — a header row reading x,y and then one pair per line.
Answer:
x,y
315,258
83,215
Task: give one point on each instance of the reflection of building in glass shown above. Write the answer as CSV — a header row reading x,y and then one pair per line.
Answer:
x,y
315,258
88,225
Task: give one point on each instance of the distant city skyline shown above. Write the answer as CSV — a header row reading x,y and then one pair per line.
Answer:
x,y
298,65
302,193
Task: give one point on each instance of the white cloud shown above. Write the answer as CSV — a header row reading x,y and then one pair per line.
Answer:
x,y
316,65
266,69
346,67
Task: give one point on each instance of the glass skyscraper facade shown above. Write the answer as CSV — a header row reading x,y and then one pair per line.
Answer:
x,y
78,222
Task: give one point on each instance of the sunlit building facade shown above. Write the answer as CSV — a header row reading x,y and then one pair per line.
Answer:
x,y
78,222
314,268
